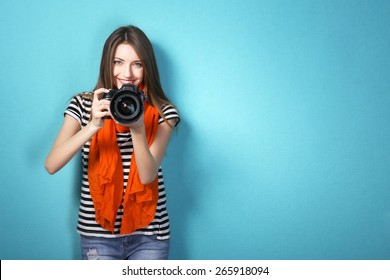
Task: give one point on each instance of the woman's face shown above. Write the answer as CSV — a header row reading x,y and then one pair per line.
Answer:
x,y
128,68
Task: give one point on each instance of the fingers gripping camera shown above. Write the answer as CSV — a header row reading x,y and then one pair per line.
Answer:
x,y
126,104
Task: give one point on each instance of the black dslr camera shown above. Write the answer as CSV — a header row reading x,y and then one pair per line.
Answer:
x,y
126,104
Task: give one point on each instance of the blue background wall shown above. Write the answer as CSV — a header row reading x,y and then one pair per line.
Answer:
x,y
283,150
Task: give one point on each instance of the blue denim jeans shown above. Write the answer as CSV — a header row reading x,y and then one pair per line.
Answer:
x,y
128,247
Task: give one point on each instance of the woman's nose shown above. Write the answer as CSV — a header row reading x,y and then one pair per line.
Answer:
x,y
127,71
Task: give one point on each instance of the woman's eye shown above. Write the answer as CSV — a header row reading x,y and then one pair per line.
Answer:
x,y
117,62
138,65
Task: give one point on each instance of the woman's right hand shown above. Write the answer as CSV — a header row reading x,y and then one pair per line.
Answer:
x,y
100,108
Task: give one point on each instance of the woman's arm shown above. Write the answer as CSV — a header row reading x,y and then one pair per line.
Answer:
x,y
69,141
149,159
71,137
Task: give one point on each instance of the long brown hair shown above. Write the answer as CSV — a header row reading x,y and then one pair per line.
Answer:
x,y
139,41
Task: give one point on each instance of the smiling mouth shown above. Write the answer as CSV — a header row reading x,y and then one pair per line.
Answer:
x,y
127,81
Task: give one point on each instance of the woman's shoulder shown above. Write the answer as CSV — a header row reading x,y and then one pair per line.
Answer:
x,y
169,112
79,106
83,99
169,108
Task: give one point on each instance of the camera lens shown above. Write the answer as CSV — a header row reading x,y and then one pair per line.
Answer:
x,y
126,107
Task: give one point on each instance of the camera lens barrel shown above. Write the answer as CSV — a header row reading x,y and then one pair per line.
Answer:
x,y
126,104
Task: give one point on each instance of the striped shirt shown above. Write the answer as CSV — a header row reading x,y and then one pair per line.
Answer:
x,y
80,109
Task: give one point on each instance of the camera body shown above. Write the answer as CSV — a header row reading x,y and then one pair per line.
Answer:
x,y
126,103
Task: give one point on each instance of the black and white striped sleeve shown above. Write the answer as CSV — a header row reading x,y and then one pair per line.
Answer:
x,y
75,109
170,112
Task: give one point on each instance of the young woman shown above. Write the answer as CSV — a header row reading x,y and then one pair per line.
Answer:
x,y
122,211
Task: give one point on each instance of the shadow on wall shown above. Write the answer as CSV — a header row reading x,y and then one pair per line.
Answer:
x,y
181,187
177,164
76,195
